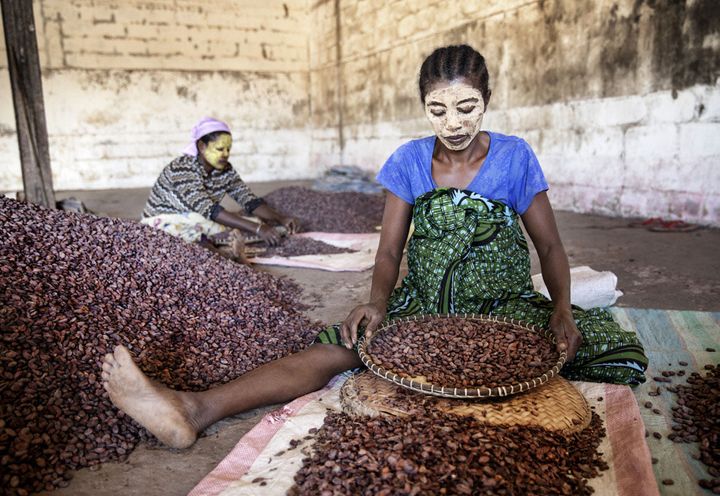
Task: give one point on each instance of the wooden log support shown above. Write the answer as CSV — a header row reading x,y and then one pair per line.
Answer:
x,y
26,84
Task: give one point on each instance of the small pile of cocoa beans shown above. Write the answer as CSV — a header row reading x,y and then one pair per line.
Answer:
x,y
72,287
455,352
323,211
435,453
293,246
696,418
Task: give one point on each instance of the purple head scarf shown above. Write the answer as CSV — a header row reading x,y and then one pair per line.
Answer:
x,y
206,125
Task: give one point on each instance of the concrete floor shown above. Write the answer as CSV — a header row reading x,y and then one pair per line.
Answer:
x,y
655,270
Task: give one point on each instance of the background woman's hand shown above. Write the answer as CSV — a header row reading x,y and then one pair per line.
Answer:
x,y
269,235
567,335
371,314
290,223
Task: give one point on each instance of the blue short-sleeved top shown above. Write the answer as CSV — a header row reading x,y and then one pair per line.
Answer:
x,y
511,173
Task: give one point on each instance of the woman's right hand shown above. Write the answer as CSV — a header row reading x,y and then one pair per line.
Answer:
x,y
290,223
269,235
370,313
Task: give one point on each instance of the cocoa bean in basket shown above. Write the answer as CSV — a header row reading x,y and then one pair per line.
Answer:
x,y
73,286
456,352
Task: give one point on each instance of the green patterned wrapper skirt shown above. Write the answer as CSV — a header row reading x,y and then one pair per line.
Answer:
x,y
468,254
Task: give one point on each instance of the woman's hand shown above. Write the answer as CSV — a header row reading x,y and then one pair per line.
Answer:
x,y
568,338
396,222
370,313
268,214
290,223
268,234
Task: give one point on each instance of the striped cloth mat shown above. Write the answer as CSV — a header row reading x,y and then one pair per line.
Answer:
x,y
671,336
261,464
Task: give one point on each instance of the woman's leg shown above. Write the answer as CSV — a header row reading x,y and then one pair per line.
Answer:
x,y
177,417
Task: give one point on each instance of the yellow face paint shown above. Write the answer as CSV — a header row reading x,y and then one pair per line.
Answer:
x,y
455,111
217,152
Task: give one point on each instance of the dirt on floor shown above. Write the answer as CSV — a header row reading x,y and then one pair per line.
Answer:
x,y
655,270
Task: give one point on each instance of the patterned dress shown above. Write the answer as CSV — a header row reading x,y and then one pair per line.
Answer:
x,y
468,254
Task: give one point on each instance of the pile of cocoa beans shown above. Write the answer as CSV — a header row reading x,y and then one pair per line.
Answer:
x,y
433,453
696,418
293,246
73,286
323,211
455,352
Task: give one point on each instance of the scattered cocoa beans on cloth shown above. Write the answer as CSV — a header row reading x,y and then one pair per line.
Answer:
x,y
293,246
323,211
73,286
455,352
696,418
433,453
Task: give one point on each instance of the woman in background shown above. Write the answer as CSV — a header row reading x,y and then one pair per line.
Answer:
x,y
185,200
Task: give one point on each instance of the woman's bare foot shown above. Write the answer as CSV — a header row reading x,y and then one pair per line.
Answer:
x,y
159,409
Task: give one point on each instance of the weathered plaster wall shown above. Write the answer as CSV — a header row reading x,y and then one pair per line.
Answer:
x,y
325,84
620,99
125,81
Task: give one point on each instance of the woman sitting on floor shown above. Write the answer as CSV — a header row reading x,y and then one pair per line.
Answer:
x,y
185,200
466,191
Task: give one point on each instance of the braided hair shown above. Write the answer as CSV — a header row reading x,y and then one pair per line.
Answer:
x,y
453,62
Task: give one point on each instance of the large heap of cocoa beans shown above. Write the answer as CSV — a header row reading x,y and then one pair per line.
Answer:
x,y
323,211
72,286
432,453
457,352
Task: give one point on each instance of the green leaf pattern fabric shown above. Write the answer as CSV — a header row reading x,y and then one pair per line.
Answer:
x,y
468,254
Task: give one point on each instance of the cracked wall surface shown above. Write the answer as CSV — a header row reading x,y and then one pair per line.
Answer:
x,y
620,99
124,82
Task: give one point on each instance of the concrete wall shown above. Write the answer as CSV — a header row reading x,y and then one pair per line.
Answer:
x,y
124,82
620,99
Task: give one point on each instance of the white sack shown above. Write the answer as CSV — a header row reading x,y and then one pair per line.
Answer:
x,y
588,288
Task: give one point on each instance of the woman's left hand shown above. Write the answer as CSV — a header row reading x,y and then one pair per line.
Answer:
x,y
562,324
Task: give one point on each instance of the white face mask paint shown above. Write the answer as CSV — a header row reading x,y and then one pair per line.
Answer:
x,y
455,113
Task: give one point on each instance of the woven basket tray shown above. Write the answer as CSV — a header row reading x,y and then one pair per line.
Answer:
x,y
479,391
556,406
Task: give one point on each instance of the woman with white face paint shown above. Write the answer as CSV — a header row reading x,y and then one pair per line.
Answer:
x,y
185,200
466,191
